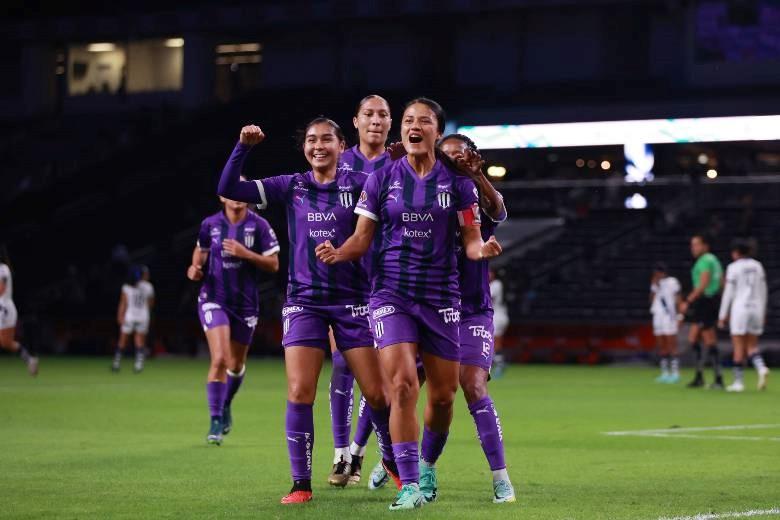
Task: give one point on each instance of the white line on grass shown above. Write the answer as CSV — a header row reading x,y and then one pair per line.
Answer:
x,y
685,433
733,514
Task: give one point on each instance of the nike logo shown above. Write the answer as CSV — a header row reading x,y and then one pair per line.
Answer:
x,y
340,392
483,410
292,439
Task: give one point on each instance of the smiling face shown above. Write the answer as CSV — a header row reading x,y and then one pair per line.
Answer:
x,y
373,121
322,146
419,129
453,148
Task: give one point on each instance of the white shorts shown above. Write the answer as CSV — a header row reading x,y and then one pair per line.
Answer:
x,y
7,315
137,326
746,321
500,323
664,324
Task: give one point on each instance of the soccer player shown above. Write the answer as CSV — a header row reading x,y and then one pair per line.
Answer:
x,y
477,321
372,121
665,299
8,316
417,203
500,322
701,307
744,306
319,207
234,246
133,316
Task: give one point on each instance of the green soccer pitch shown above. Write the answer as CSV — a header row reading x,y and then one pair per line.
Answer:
x,y
81,442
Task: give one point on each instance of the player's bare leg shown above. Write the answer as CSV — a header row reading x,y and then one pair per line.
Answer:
x,y
9,343
121,345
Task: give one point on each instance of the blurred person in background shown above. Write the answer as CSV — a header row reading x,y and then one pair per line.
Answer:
x,y
665,299
500,322
701,310
8,315
133,316
743,307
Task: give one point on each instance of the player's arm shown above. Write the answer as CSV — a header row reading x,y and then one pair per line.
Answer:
x,y
3,285
476,248
491,201
195,270
727,299
265,262
230,184
696,293
150,301
353,248
121,308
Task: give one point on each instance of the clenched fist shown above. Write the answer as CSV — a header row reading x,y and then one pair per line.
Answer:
x,y
491,248
195,273
251,135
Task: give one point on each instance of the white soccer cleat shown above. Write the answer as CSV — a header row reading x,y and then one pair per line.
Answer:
x,y
763,375
736,386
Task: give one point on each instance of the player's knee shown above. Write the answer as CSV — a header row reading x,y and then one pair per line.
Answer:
x,y
219,362
300,392
474,390
404,389
442,397
375,396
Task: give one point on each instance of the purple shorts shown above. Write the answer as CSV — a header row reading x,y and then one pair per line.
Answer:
x,y
476,340
212,315
395,320
306,325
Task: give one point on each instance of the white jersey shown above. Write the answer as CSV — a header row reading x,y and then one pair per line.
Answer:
x,y
138,297
746,289
665,297
5,274
497,296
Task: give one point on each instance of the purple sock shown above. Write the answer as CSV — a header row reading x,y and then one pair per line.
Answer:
x,y
489,431
364,426
432,445
215,393
233,384
381,422
299,426
407,457
341,395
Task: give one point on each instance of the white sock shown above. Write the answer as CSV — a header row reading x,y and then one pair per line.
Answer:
x,y
500,474
356,450
342,454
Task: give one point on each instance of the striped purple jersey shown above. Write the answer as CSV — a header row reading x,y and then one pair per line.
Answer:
x,y
417,219
232,281
475,276
353,159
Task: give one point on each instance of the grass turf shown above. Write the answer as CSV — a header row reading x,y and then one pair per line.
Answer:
x,y
80,442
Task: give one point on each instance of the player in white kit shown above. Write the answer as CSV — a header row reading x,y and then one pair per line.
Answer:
x,y
8,317
133,316
744,307
665,299
500,323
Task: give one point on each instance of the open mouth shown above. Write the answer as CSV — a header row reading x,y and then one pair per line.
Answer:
x,y
415,138
320,156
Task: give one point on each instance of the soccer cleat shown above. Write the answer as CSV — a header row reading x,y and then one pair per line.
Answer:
x,y
227,420
379,477
673,379
115,367
340,474
736,386
663,378
392,471
354,475
215,432
409,497
32,366
697,382
763,375
297,497
138,367
503,492
429,484
718,384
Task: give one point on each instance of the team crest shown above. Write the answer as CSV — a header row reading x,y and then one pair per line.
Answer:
x,y
345,198
445,199
249,238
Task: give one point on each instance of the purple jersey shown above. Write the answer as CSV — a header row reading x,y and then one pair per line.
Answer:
x,y
353,159
232,281
417,219
475,276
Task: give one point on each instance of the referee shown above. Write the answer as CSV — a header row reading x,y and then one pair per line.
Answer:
x,y
701,309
